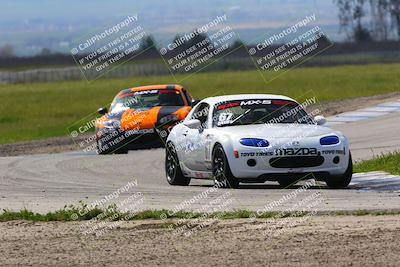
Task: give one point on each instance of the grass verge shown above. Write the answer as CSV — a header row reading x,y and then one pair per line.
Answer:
x,y
42,110
69,214
74,213
389,163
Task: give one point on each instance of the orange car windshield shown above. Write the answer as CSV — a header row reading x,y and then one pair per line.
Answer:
x,y
147,98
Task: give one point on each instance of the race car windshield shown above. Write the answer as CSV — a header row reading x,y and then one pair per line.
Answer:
x,y
259,111
146,99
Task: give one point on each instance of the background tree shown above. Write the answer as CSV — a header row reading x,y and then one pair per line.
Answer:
x,y
237,43
351,16
147,43
364,20
45,52
7,51
185,43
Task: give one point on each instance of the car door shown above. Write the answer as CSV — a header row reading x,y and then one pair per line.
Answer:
x,y
196,140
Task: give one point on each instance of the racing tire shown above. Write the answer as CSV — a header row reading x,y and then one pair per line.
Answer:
x,y
342,181
100,148
221,171
173,169
121,151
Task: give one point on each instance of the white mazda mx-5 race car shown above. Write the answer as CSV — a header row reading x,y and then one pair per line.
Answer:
x,y
255,138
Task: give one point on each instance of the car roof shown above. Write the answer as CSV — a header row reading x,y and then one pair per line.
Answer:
x,y
218,99
151,87
156,87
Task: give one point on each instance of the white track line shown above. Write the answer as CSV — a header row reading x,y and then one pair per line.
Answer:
x,y
375,181
365,113
380,109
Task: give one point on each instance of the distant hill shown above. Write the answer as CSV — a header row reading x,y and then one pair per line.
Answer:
x,y
30,26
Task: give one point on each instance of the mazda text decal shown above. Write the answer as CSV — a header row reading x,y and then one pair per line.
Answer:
x,y
283,152
296,151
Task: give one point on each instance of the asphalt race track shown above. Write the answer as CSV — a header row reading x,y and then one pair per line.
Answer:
x,y
50,181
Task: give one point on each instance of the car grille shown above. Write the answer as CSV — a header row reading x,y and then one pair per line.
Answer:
x,y
296,162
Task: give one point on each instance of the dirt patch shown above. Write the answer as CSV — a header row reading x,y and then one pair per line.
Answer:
x,y
45,146
316,241
63,144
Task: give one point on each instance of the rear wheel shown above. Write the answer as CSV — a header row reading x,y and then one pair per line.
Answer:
x,y
222,174
344,180
173,169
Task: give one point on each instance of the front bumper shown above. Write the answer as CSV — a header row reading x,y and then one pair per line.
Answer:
x,y
128,140
258,163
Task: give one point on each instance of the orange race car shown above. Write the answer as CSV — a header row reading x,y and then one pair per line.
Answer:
x,y
141,115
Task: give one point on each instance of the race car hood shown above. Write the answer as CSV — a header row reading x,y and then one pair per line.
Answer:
x,y
144,118
275,130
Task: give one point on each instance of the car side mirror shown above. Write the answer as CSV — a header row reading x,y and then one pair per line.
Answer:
x,y
195,102
102,111
192,124
320,120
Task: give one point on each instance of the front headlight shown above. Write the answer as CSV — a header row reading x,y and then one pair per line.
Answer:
x,y
256,142
112,124
329,140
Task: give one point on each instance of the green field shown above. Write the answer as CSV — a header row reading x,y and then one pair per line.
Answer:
x,y
389,163
35,111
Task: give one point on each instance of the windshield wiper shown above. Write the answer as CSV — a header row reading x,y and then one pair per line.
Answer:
x,y
237,124
241,116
